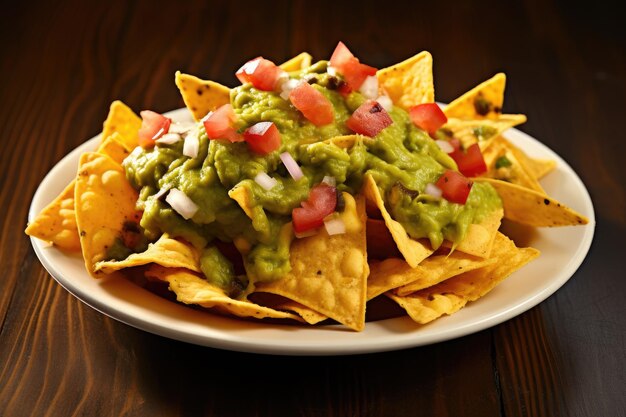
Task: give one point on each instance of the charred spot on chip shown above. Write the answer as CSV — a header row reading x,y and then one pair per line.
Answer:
x,y
546,201
199,91
482,105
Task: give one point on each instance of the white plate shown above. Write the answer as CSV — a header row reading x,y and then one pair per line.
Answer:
x,y
562,251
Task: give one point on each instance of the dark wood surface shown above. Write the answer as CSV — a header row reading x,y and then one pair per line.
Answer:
x,y
62,63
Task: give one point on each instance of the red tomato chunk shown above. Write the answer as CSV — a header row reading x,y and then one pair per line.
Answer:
x,y
262,137
349,66
262,73
219,124
428,116
454,186
369,119
470,162
153,126
312,104
321,202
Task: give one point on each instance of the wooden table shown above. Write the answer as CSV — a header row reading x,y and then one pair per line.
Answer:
x,y
63,64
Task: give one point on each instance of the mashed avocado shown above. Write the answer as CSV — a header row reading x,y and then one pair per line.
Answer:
x,y
402,159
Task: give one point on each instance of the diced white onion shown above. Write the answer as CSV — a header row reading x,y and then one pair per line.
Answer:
x,y
385,102
331,71
369,88
181,127
445,146
330,181
191,145
335,226
291,165
182,204
168,139
265,181
161,192
432,190
287,87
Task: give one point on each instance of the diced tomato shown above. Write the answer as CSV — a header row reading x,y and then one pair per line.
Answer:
x,y
153,126
349,66
321,202
454,186
428,116
262,73
470,162
369,119
219,124
262,137
313,104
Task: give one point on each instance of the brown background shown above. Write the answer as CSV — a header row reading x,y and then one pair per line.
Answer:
x,y
62,64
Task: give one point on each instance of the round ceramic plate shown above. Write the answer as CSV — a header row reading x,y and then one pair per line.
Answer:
x,y
562,251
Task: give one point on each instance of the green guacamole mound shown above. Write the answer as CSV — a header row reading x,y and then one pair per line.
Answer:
x,y
402,159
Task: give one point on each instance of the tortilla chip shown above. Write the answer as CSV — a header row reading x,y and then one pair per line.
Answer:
x,y
201,96
329,273
410,82
297,63
114,147
105,204
529,207
482,131
166,252
516,172
56,223
396,274
490,91
479,238
413,251
453,294
536,168
123,120
242,196
344,142
191,289
281,303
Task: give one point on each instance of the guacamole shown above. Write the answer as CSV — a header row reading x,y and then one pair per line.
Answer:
x,y
402,159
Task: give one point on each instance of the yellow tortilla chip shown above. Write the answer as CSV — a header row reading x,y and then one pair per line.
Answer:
x,y
297,63
329,273
480,236
482,131
123,120
410,82
105,206
513,171
413,251
201,96
281,303
191,289
529,207
344,142
114,147
483,101
453,294
242,196
536,168
56,223
166,252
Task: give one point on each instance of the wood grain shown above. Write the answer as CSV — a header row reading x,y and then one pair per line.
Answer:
x,y
64,62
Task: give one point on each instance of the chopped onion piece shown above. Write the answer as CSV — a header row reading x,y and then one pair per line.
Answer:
x,y
265,181
182,204
331,71
191,145
369,88
432,190
329,180
161,192
287,86
445,146
291,165
306,233
385,102
168,139
181,127
334,225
